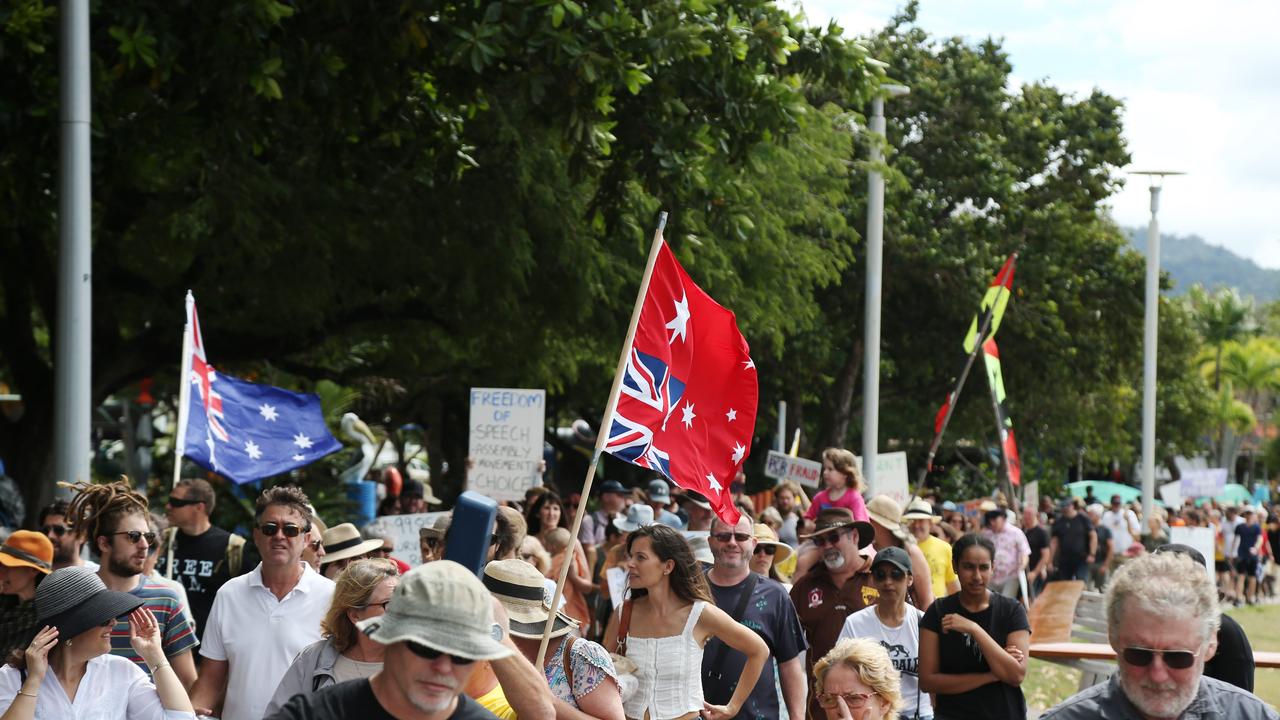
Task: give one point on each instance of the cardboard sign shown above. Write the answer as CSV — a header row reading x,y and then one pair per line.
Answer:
x,y
1171,494
784,467
506,440
891,477
617,578
1201,539
1204,483
403,531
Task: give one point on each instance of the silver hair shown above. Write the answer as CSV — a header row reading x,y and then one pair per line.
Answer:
x,y
1168,584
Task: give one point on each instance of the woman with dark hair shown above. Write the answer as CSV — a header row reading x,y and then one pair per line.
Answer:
x,y
671,605
545,515
973,644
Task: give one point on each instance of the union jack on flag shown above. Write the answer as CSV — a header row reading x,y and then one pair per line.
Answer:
x,y
687,402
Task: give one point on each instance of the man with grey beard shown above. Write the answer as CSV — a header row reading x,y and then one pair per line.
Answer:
x,y
1162,620
835,588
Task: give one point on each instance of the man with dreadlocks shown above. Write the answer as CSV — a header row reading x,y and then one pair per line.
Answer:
x,y
113,517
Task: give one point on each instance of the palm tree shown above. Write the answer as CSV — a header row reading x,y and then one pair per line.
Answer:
x,y
1254,368
1234,418
1221,317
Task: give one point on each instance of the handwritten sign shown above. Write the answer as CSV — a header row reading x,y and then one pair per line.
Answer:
x,y
506,440
784,467
891,477
403,531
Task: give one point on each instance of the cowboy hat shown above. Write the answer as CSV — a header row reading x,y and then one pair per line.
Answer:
x,y
836,518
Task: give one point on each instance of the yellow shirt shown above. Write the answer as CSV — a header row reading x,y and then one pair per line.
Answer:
x,y
937,553
495,701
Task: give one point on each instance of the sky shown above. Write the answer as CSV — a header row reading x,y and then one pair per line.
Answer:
x,y
1198,79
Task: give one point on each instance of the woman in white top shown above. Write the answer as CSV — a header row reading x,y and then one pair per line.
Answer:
x,y
68,670
362,591
671,617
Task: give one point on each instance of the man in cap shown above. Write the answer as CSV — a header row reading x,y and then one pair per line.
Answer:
x,y
613,502
431,538
1162,619
763,605
415,496
438,623
66,541
836,587
659,495
1073,546
698,508
920,521
896,626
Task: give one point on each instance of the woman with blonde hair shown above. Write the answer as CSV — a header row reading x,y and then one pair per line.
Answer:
x,y
672,610
362,591
857,676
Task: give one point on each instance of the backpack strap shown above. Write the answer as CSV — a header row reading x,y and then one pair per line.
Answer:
x,y
170,539
624,625
568,661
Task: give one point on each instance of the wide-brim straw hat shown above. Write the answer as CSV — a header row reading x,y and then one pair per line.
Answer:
x,y
344,541
437,529
443,606
74,599
835,518
25,548
766,536
918,509
886,512
521,590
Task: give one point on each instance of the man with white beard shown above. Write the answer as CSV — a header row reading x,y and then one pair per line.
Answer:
x,y
835,588
1162,620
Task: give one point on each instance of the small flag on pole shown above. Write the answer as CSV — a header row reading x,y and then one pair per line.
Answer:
x,y
687,406
242,430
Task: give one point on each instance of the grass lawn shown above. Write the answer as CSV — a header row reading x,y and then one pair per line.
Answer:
x,y
1048,684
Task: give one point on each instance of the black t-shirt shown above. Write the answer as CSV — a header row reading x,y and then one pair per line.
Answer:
x,y
772,616
1037,540
355,699
1273,536
1233,663
959,654
1248,535
1073,539
1104,537
200,564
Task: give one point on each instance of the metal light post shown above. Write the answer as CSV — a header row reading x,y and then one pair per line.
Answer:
x,y
1150,327
874,290
72,390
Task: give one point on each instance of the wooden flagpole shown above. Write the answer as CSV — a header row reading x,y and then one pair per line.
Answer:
x,y
602,436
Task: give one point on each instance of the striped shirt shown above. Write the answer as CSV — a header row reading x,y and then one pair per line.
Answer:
x,y
176,633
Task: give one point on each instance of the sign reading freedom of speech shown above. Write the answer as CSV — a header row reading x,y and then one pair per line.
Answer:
x,y
403,531
506,440
784,467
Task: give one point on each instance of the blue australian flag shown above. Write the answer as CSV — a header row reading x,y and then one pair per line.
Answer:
x,y
246,432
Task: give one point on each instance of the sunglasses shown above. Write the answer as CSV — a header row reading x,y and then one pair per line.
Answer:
x,y
427,653
851,700
315,545
882,574
827,538
182,502
727,536
766,549
290,530
136,535
1173,659
58,530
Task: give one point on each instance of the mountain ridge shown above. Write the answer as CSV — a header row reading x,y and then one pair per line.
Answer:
x,y
1190,259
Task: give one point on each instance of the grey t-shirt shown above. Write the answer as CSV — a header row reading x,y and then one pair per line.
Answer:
x,y
1214,699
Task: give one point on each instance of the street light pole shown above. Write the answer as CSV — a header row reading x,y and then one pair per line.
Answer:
x,y
1150,327
874,289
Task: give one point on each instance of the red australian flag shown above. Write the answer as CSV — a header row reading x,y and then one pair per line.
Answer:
x,y
687,406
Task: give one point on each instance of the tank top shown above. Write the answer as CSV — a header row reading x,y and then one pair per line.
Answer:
x,y
669,673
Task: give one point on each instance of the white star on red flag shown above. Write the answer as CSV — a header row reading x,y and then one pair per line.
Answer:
x,y
688,416
732,415
715,484
738,452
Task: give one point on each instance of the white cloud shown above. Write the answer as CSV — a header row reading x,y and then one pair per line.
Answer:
x,y
1198,80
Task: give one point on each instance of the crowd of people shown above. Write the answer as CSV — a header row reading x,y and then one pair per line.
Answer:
x,y
841,606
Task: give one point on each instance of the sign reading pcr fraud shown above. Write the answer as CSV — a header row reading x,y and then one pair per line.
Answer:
x,y
784,467
506,440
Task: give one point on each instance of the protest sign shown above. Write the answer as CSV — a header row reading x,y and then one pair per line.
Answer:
x,y
403,531
617,578
505,441
784,467
1171,494
891,477
1031,495
1203,483
1200,538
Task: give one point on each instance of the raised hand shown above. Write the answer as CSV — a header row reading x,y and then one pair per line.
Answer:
x,y
144,636
38,651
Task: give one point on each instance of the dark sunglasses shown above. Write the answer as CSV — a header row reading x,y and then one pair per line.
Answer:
x,y
427,653
1173,659
727,536
315,545
136,535
182,502
882,574
58,530
766,549
290,530
827,538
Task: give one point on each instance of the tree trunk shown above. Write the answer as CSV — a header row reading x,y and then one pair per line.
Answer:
x,y
842,400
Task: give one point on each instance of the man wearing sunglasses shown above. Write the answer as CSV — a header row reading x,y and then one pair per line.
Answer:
x,y
1162,620
193,551
66,542
436,627
768,611
896,626
261,620
836,587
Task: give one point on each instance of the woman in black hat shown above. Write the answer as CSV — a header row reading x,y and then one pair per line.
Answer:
x,y
68,669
